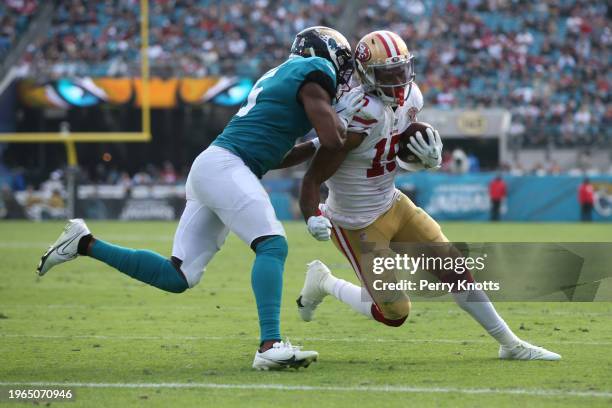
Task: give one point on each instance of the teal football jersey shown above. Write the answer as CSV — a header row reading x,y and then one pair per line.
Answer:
x,y
267,126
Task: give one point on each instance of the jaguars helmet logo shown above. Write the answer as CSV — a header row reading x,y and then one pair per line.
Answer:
x,y
412,114
326,43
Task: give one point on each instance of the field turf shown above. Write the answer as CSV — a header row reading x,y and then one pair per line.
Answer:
x,y
117,342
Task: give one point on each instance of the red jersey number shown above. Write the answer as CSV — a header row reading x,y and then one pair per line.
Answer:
x,y
377,168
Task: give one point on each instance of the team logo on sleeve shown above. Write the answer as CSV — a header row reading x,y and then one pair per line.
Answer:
x,y
363,53
412,112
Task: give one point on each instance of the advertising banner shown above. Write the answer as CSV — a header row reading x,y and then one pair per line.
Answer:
x,y
448,197
164,92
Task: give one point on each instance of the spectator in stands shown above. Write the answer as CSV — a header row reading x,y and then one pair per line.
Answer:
x,y
168,174
460,163
586,197
11,208
19,181
497,194
3,210
474,162
142,178
125,180
33,204
55,182
545,61
15,16
55,208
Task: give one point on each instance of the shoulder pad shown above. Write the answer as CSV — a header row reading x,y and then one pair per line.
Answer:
x,y
369,115
415,99
321,64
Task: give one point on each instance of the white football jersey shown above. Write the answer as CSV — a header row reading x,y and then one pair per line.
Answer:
x,y
363,188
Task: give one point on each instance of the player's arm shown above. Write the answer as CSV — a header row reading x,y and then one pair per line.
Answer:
x,y
317,104
299,153
322,167
329,122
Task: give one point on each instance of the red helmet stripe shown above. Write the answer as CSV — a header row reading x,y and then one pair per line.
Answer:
x,y
382,39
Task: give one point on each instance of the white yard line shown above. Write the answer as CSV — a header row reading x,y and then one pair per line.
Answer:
x,y
281,387
301,339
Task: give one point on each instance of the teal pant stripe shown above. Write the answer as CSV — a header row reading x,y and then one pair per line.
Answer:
x,y
143,265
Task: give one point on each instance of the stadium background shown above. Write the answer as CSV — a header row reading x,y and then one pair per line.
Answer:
x,y
521,86
517,88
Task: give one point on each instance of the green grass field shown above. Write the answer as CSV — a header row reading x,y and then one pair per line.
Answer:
x,y
118,342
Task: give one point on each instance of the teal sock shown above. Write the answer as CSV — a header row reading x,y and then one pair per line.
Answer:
x,y
146,266
267,283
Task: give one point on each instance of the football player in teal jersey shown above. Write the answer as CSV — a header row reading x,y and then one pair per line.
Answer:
x,y
224,192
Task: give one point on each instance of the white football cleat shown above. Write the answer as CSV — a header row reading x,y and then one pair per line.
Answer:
x,y
65,248
526,351
312,293
283,355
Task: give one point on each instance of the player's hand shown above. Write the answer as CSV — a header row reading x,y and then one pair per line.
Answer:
x,y
430,153
348,105
319,227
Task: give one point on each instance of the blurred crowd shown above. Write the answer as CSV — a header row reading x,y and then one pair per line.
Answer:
x,y
546,61
15,15
149,174
187,37
21,197
17,179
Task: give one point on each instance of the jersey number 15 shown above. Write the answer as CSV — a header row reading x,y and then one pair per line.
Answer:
x,y
378,169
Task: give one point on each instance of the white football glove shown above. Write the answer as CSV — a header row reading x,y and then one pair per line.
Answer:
x,y
319,227
348,105
430,153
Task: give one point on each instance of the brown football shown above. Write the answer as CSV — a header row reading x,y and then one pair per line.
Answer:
x,y
405,154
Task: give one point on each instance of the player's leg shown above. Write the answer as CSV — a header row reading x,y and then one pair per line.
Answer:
x,y
358,246
144,265
198,237
418,226
243,205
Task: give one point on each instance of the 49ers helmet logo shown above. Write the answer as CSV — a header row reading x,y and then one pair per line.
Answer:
x,y
362,53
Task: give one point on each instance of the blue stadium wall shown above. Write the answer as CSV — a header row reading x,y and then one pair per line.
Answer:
x,y
449,197
530,198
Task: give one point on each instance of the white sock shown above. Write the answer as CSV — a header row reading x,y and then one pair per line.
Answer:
x,y
352,295
478,305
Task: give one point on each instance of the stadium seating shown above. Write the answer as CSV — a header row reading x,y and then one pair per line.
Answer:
x,y
15,15
545,61
187,37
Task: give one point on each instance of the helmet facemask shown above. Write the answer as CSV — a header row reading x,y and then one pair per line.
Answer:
x,y
344,66
390,79
344,70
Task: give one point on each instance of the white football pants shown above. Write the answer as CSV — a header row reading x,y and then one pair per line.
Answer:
x,y
223,195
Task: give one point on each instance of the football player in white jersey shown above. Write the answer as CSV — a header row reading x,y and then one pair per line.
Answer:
x,y
365,208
